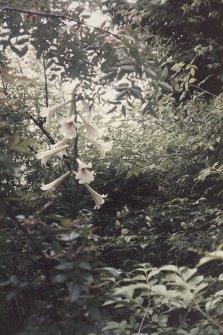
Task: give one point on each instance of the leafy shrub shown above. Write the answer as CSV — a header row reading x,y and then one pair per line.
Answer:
x,y
166,300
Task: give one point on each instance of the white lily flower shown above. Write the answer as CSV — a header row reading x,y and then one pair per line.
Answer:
x,y
84,174
48,112
69,127
52,186
98,198
47,154
91,130
60,144
101,146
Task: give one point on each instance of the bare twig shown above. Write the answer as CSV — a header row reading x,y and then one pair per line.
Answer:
x,y
143,319
205,91
159,124
32,149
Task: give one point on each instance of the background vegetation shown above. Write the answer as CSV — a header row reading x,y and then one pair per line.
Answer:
x,y
149,261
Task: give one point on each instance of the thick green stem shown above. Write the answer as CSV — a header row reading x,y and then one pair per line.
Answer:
x,y
46,82
75,189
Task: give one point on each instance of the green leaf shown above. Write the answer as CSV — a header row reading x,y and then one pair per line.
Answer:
x,y
200,287
211,304
193,282
74,292
151,73
192,80
60,278
128,68
21,41
121,95
109,302
187,273
126,290
136,93
176,280
164,74
164,85
192,72
64,265
121,88
212,256
14,140
84,266
20,52
108,75
111,325
6,164
159,289
56,247
172,268
111,271
127,62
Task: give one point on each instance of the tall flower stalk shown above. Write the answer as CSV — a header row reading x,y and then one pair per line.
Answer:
x,y
75,191
69,129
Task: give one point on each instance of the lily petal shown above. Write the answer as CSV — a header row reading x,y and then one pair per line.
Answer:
x,y
47,154
98,198
101,146
92,132
60,144
69,127
48,112
84,174
52,186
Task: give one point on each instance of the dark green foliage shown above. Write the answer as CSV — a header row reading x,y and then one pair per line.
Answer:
x,y
50,270
142,263
65,50
191,30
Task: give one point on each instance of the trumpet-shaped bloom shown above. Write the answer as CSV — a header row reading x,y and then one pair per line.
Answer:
x,y
69,127
50,111
47,154
84,174
91,130
60,144
52,186
101,146
98,198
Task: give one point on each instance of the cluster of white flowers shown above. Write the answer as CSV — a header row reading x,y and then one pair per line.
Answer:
x,y
68,130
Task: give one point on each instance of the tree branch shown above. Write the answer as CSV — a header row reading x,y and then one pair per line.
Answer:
x,y
61,17
44,131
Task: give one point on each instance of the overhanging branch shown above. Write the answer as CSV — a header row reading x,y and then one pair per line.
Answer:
x,y
44,131
61,17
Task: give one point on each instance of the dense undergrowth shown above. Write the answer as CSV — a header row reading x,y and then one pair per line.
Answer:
x,y
149,261
132,267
